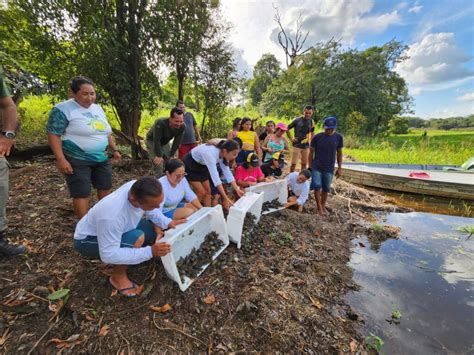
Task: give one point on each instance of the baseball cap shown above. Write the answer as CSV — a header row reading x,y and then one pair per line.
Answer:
x,y
252,159
278,156
281,126
330,122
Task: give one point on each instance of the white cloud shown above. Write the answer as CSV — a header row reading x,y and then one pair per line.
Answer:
x,y
466,97
415,9
434,63
243,68
462,109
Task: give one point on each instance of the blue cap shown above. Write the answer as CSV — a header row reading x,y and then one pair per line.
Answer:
x,y
330,122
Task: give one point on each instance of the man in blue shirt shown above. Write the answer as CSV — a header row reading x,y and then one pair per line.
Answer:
x,y
324,148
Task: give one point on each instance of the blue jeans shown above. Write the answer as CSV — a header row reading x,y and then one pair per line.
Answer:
x,y
170,212
89,246
321,180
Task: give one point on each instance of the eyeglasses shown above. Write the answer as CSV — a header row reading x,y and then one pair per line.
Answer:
x,y
180,176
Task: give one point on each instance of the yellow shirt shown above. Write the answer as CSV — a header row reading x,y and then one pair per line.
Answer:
x,y
248,139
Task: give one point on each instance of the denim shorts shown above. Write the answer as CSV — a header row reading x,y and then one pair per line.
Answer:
x,y
170,212
89,246
321,180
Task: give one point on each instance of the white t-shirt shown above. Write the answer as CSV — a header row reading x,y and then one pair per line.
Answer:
x,y
207,154
301,190
111,217
174,195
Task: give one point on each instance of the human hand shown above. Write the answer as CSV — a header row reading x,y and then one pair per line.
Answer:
x,y
160,249
177,222
339,172
226,203
117,156
64,166
157,160
252,183
300,208
269,178
295,140
239,192
5,146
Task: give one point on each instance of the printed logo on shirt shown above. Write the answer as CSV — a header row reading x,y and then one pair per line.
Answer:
x,y
97,124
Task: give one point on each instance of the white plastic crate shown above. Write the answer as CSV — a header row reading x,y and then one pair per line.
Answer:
x,y
191,235
250,202
272,190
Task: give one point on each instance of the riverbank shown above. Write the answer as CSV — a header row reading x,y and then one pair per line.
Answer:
x,y
286,293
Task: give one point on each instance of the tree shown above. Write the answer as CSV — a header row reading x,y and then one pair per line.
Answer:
x,y
399,125
187,23
266,69
217,78
293,47
110,41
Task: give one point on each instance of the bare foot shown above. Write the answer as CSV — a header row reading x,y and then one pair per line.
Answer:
x,y
126,287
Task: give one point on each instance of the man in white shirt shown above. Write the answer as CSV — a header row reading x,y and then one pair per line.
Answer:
x,y
114,231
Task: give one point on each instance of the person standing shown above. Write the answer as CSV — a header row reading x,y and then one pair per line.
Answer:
x,y
269,129
191,136
10,123
275,142
250,142
325,146
159,137
303,127
79,134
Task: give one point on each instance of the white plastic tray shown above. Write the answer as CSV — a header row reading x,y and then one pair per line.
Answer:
x,y
250,202
272,190
191,235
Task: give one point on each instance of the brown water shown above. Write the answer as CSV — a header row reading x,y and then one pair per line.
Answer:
x,y
428,275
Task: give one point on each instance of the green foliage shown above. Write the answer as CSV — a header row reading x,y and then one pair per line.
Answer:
x,y
33,114
398,125
356,123
396,314
438,147
374,342
265,70
59,294
377,228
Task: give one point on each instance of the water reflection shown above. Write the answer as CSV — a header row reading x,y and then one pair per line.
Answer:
x,y
428,274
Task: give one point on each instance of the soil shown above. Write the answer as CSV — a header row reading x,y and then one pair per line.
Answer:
x,y
283,291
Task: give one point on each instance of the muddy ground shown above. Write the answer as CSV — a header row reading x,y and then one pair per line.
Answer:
x,y
282,293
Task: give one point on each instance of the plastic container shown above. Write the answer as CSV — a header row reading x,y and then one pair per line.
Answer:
x,y
191,235
250,202
272,190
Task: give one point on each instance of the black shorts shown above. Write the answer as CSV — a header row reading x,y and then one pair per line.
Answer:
x,y
87,173
194,170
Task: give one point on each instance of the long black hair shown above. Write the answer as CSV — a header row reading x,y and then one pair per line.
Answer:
x,y
245,120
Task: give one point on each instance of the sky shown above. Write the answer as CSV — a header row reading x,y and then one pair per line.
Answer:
x,y
439,35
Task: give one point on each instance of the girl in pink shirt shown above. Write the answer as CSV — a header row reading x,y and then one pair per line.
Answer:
x,y
249,173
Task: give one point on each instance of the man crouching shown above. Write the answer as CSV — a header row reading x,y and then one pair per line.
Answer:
x,y
114,231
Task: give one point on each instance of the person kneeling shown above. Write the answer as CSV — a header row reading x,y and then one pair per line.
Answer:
x,y
249,174
298,186
114,231
272,168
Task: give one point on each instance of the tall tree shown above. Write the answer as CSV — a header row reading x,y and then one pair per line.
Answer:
x,y
266,69
187,23
112,42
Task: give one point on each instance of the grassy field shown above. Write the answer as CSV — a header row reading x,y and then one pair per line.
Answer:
x,y
437,147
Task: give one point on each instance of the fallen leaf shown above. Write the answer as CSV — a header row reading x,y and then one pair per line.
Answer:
x,y
4,337
353,345
104,330
162,309
283,295
89,317
60,344
210,299
113,293
316,303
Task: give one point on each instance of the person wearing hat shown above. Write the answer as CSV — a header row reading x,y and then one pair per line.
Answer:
x,y
272,168
298,188
275,142
249,173
324,148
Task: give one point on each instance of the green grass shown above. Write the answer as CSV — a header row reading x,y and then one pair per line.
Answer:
x,y
438,147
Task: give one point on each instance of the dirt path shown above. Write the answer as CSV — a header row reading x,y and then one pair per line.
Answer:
x,y
282,294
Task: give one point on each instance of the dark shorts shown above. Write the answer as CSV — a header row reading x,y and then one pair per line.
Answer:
x,y
194,170
87,173
321,180
242,157
89,246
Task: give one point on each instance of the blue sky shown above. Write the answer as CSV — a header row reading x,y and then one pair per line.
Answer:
x,y
440,36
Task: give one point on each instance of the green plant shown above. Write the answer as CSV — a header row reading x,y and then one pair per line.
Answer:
x,y
396,314
374,342
377,228
466,230
62,293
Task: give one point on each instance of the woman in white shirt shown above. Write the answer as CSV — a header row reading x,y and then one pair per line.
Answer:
x,y
201,166
298,188
180,201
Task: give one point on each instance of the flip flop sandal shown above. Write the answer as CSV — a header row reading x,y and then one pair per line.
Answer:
x,y
122,290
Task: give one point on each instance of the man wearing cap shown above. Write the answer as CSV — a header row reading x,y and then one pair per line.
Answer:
x,y
10,122
324,148
303,129
272,168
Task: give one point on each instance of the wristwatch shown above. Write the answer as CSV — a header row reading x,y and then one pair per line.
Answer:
x,y
9,134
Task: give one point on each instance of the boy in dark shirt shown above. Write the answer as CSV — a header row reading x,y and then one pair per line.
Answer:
x,y
324,148
273,167
303,127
